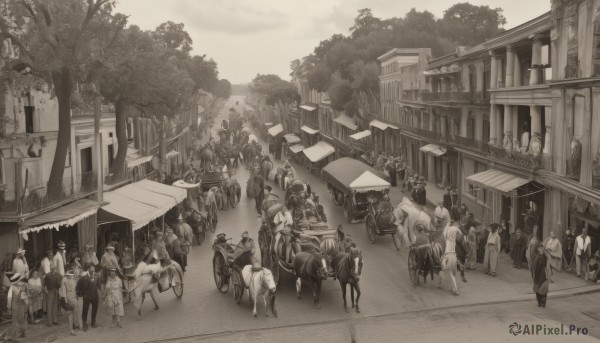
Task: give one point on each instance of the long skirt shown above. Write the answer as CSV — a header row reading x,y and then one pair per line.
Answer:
x,y
19,319
472,260
490,259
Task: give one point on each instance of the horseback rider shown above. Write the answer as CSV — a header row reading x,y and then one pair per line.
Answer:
x,y
284,223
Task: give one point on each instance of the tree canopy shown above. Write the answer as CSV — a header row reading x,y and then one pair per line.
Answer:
x,y
274,89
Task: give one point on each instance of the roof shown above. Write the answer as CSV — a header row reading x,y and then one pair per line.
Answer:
x,y
535,25
346,121
291,138
360,135
319,151
401,51
276,130
368,181
67,215
297,148
433,149
309,130
497,180
343,171
381,125
143,201
135,157
307,107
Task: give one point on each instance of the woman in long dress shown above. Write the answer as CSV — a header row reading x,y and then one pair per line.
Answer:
x,y
34,293
472,241
531,245
540,274
113,297
17,306
492,248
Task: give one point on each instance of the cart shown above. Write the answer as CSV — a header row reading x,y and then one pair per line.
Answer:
x,y
227,271
374,226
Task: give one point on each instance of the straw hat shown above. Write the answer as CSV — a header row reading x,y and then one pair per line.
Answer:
x,y
61,245
110,247
21,252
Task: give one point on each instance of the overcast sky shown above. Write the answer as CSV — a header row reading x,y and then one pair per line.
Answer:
x,y
246,37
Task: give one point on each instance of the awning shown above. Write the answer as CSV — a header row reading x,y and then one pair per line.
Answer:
x,y
135,157
172,153
346,121
269,124
382,126
360,135
497,180
291,138
433,149
185,185
319,151
143,201
276,130
369,182
308,108
297,148
67,215
308,130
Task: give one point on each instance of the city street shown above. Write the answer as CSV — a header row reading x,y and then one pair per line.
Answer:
x,y
391,308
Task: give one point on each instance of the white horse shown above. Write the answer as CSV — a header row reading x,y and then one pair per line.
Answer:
x,y
147,278
260,283
407,218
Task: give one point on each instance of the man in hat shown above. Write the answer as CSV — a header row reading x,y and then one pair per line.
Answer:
x,y
52,283
259,183
186,235
87,288
172,245
20,265
158,245
246,244
442,216
287,180
68,300
90,256
60,259
284,222
17,301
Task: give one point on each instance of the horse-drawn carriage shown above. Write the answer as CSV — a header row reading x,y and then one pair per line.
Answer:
x,y
351,182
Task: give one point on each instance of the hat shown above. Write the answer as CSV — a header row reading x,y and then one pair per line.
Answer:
x,y
16,277
61,245
50,251
245,234
158,232
110,246
20,251
112,269
168,229
220,235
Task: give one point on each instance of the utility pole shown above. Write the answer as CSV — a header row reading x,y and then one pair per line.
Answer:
x,y
98,146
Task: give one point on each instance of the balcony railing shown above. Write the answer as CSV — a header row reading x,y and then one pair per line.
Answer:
x,y
457,97
521,159
39,197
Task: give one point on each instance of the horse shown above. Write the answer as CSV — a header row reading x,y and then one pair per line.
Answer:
x,y
348,268
260,283
407,218
207,156
212,199
311,267
147,278
233,190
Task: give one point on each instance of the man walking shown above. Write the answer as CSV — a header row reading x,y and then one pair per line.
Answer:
x,y
442,216
87,288
186,235
583,252
60,259
259,184
53,281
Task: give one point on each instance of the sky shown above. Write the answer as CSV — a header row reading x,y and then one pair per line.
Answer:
x,y
249,37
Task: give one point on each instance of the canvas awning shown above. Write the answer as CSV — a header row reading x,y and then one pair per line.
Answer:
x,y
360,135
319,151
381,125
67,215
143,201
497,180
346,121
369,182
309,130
297,148
308,108
433,149
276,130
291,138
172,153
135,157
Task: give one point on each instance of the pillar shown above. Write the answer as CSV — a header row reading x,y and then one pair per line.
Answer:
x,y
517,73
536,60
494,72
423,125
421,162
515,123
493,123
499,73
510,66
536,120
137,139
464,117
480,80
444,126
548,136
431,120
508,126
499,125
431,168
479,126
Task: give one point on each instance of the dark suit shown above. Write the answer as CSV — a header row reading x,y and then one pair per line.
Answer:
x,y
87,288
53,281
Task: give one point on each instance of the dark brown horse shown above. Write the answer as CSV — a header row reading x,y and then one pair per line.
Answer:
x,y
311,267
348,268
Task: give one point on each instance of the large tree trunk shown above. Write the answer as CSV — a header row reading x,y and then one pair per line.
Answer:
x,y
118,167
63,87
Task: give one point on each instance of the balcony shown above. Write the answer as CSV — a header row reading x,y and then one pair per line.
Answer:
x,y
36,198
521,159
469,143
457,97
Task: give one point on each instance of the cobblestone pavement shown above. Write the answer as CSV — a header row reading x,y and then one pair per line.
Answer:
x,y
390,306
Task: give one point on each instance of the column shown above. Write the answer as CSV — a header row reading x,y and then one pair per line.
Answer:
x,y
499,73
479,73
479,126
510,66
463,122
445,180
536,120
517,73
548,136
494,72
431,168
515,125
421,162
444,126
423,125
431,120
508,126
499,125
493,122
536,60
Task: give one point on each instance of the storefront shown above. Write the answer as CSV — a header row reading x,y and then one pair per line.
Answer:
x,y
437,167
382,141
290,140
275,137
318,155
309,135
361,142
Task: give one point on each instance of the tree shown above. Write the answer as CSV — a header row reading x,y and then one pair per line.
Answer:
x,y
173,37
319,78
223,89
275,90
340,92
364,23
326,45
203,72
61,40
471,25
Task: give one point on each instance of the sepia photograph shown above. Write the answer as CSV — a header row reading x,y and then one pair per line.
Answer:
x,y
299,171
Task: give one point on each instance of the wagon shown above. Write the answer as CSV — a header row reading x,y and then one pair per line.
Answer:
x,y
380,223
227,271
351,182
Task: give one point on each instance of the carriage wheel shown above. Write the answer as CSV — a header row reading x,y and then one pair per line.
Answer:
x,y
238,284
413,267
213,218
218,272
178,288
396,240
371,228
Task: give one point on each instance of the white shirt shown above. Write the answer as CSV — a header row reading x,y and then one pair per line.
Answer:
x,y
581,245
282,220
46,265
59,262
20,266
449,234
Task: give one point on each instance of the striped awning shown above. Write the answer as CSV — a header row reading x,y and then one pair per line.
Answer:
x,y
67,215
498,181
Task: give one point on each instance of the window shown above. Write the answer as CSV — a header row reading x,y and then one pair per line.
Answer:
x,y
470,127
29,119
111,153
